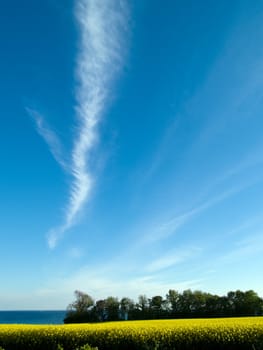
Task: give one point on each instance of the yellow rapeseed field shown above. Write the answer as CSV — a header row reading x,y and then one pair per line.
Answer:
x,y
221,333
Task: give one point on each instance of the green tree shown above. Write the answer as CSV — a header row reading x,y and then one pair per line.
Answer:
x,y
100,309
80,310
185,303
253,304
156,306
126,306
141,308
143,303
112,308
244,303
82,303
172,299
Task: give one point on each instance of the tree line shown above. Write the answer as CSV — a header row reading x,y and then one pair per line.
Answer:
x,y
187,304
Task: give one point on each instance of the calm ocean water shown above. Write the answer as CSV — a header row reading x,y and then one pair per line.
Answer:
x,y
32,317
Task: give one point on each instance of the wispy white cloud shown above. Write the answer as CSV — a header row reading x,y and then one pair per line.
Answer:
x,y
171,226
247,225
171,258
99,60
207,197
49,137
244,248
102,24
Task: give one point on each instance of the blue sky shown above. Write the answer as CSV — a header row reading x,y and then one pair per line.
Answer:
x,y
131,148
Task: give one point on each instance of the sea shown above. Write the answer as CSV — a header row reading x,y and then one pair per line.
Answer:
x,y
32,317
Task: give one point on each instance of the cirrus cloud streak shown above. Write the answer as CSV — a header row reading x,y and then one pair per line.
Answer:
x,y
102,24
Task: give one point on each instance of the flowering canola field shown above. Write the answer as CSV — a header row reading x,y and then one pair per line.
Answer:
x,y
221,333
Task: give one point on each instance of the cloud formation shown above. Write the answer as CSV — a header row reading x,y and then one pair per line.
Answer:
x,y
172,258
49,137
102,24
99,60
